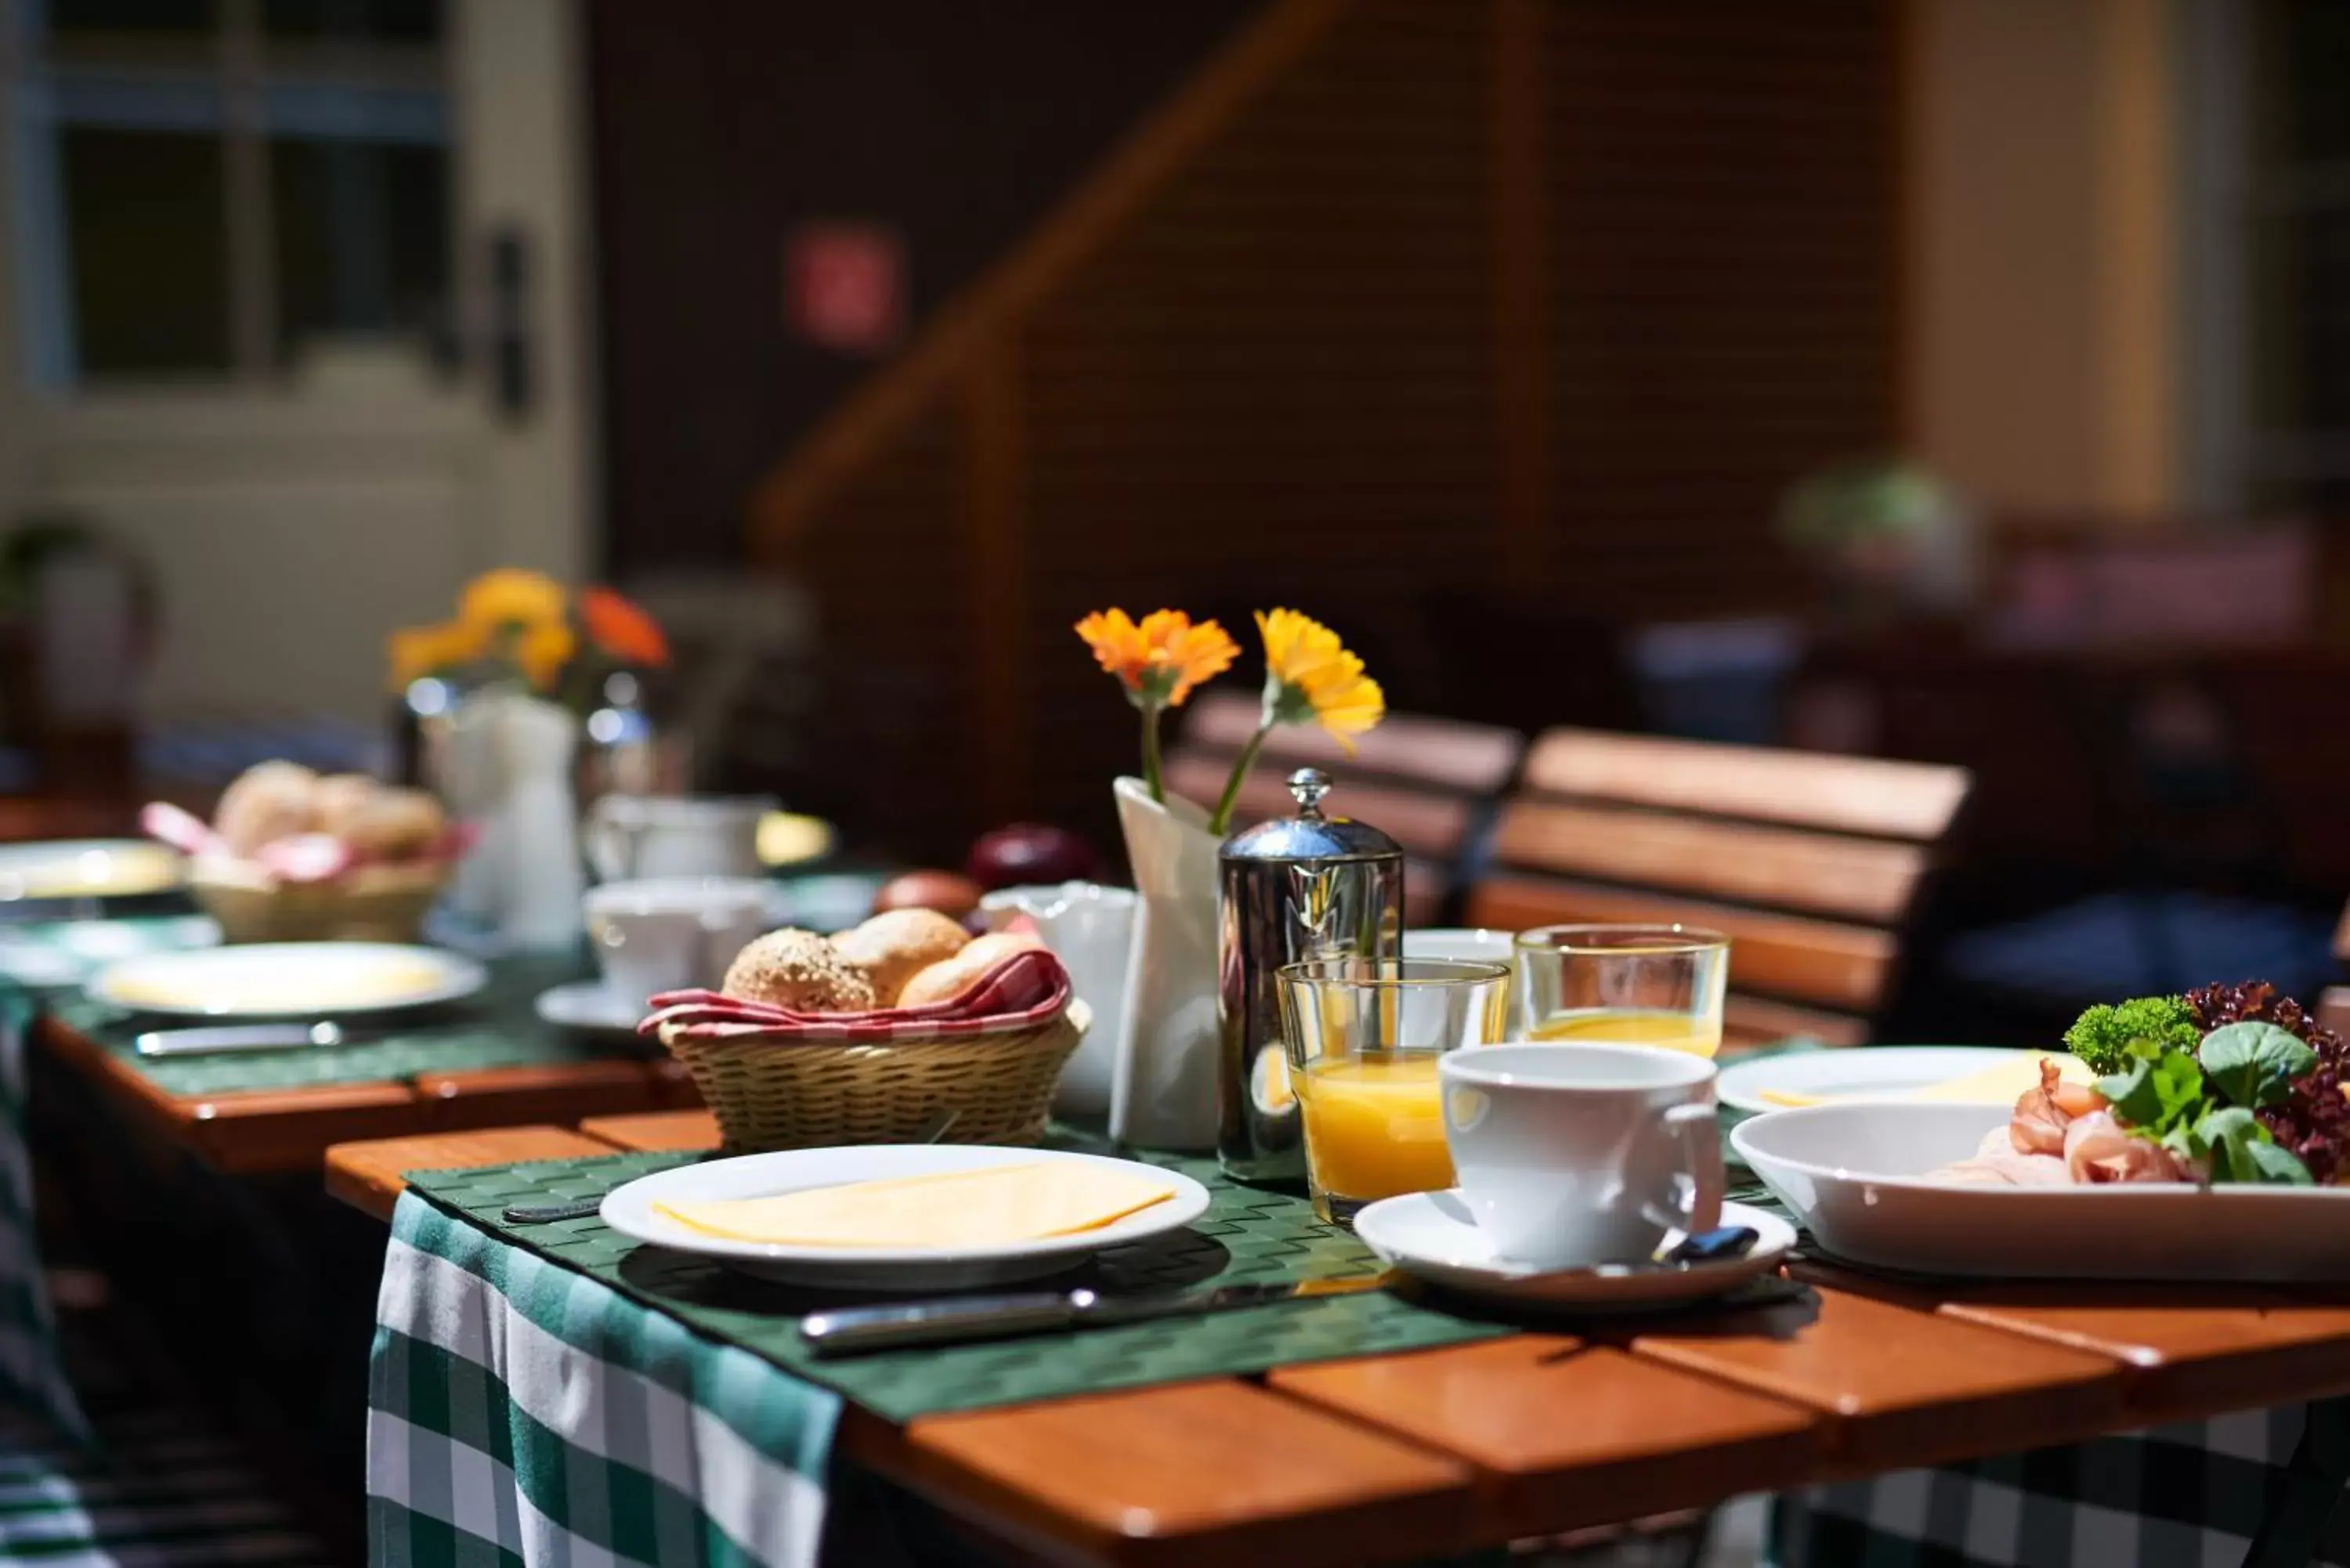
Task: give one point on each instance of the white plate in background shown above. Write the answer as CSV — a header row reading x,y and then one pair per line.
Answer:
x,y
1857,1072
287,979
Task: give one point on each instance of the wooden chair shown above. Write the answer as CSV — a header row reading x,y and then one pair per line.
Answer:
x,y
1428,782
1811,863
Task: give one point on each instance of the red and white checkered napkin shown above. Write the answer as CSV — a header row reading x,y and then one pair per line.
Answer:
x,y
1026,988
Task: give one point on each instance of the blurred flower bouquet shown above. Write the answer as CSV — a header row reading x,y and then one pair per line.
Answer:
x,y
1164,1087
516,626
499,692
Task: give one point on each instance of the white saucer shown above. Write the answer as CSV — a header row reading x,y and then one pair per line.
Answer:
x,y
629,1210
589,1004
1432,1237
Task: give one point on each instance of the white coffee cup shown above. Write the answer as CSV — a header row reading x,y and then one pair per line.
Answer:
x,y
641,836
670,934
1570,1154
1090,929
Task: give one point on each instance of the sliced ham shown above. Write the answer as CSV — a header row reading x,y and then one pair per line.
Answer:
x,y
2042,1115
2097,1150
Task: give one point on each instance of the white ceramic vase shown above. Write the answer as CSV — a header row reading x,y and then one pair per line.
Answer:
x,y
505,765
1163,1084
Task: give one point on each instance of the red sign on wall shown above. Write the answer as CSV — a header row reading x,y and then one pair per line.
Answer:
x,y
844,286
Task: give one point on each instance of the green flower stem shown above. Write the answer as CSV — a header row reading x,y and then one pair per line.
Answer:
x,y
1222,821
1151,768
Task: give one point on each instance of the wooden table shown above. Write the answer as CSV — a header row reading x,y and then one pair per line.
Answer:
x,y
290,1129
1391,1458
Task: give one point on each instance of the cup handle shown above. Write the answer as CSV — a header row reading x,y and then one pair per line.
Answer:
x,y
1698,1127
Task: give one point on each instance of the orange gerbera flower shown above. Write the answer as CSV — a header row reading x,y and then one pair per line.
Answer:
x,y
1161,660
622,629
1310,678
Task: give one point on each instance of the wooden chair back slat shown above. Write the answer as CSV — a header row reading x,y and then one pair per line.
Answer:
x,y
1810,863
1438,753
1857,879
1428,783
1828,964
1434,825
1915,801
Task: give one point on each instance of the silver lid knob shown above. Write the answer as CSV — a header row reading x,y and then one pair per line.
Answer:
x,y
1307,786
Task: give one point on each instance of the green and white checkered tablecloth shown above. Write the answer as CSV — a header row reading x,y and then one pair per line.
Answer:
x,y
520,1412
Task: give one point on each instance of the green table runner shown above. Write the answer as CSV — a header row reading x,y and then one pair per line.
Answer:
x,y
498,1027
1247,1235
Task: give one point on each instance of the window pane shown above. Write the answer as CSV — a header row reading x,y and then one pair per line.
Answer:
x,y
362,239
381,21
146,234
179,16
2302,48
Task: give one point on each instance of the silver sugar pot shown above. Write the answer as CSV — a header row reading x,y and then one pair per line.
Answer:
x,y
1296,888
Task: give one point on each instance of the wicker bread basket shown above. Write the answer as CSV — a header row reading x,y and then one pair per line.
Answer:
x,y
367,903
771,1090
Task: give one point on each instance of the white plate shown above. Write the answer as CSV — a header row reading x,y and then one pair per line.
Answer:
x,y
1868,1071
284,979
589,1004
89,868
1857,1176
1433,1236
629,1210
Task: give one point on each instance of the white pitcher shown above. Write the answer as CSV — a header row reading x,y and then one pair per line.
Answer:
x,y
1090,929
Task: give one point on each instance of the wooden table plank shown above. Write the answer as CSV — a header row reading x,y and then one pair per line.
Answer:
x,y
368,1176
2187,1350
260,1132
1216,1472
1899,1387
656,1130
1567,1434
558,1092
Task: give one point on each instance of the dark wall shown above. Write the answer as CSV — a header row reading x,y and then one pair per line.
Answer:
x,y
722,125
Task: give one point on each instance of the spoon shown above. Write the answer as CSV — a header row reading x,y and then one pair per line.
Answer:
x,y
931,1131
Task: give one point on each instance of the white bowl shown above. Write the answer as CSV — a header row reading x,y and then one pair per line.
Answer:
x,y
1858,1176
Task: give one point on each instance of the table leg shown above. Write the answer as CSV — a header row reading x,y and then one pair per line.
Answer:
x,y
2294,1529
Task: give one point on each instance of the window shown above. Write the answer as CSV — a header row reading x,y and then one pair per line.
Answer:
x,y
220,189
2296,143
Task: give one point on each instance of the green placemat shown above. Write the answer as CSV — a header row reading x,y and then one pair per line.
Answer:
x,y
497,1027
1246,1235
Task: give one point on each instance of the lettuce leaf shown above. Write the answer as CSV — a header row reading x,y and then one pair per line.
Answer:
x,y
2254,1064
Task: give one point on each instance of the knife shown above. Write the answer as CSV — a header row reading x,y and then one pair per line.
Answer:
x,y
954,1320
210,1042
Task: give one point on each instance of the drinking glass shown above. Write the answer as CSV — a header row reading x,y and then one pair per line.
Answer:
x,y
1363,1036
1626,985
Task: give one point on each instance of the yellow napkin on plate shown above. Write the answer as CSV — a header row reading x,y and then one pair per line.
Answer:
x,y
2002,1083
987,1206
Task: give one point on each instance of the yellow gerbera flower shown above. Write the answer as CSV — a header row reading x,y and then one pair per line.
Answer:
x,y
1161,660
511,597
418,651
543,649
1310,678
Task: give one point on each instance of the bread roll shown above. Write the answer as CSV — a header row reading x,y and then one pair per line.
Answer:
x,y
892,947
342,800
395,824
800,971
948,980
268,802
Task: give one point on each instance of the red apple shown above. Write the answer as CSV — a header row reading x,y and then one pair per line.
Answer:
x,y
1029,853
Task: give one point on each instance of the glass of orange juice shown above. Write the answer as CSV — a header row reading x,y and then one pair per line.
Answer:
x,y
1363,1036
1624,985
